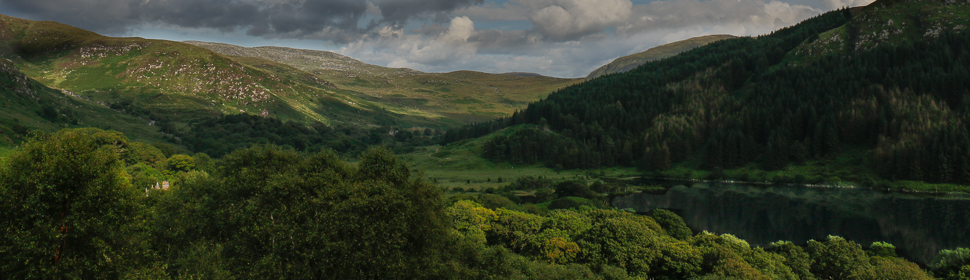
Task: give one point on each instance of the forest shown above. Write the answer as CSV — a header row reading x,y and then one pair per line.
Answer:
x,y
217,136
78,204
743,102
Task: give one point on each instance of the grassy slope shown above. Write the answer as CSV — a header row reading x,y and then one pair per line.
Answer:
x,y
23,102
177,79
465,96
629,62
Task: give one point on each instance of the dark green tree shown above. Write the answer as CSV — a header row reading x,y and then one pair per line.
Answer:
x,y
69,211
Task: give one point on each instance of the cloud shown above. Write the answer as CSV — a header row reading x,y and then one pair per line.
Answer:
x,y
492,12
111,16
567,37
451,45
571,19
748,17
336,20
394,48
399,11
559,20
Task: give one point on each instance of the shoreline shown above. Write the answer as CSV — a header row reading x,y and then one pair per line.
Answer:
x,y
819,186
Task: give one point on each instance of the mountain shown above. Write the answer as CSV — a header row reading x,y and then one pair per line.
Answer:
x,y
525,74
629,62
26,105
161,80
741,109
177,83
466,96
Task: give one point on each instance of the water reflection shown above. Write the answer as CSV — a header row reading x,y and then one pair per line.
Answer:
x,y
919,226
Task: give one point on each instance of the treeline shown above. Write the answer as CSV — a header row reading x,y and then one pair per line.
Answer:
x,y
741,101
221,135
74,210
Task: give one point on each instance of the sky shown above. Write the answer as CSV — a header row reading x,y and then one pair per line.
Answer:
x,y
559,38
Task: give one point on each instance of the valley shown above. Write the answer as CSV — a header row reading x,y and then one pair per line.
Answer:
x,y
834,148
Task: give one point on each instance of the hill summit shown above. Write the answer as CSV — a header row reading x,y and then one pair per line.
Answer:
x,y
629,62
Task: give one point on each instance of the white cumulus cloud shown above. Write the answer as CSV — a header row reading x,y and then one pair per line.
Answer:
x,y
571,19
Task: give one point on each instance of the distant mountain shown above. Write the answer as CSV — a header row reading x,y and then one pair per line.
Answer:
x,y
629,62
463,96
178,83
163,80
524,74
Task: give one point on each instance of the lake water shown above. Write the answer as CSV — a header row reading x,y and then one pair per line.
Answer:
x,y
918,225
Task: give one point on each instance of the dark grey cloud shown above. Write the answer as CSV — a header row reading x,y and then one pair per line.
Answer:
x,y
107,16
502,41
219,14
399,11
297,20
335,20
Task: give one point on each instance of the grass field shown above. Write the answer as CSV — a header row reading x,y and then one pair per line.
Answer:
x,y
460,165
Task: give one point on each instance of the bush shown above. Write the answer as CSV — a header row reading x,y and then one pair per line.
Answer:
x,y
574,188
494,201
882,249
952,264
672,223
181,163
564,203
890,268
836,258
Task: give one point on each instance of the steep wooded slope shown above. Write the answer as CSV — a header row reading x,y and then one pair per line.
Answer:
x,y
738,103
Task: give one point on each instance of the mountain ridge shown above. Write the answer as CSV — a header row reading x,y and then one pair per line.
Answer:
x,y
464,94
627,63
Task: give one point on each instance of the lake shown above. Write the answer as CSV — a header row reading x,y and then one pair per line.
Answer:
x,y
918,225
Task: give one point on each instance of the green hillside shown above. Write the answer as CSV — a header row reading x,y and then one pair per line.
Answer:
x,y
629,62
888,116
164,80
887,23
464,96
26,105
176,83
